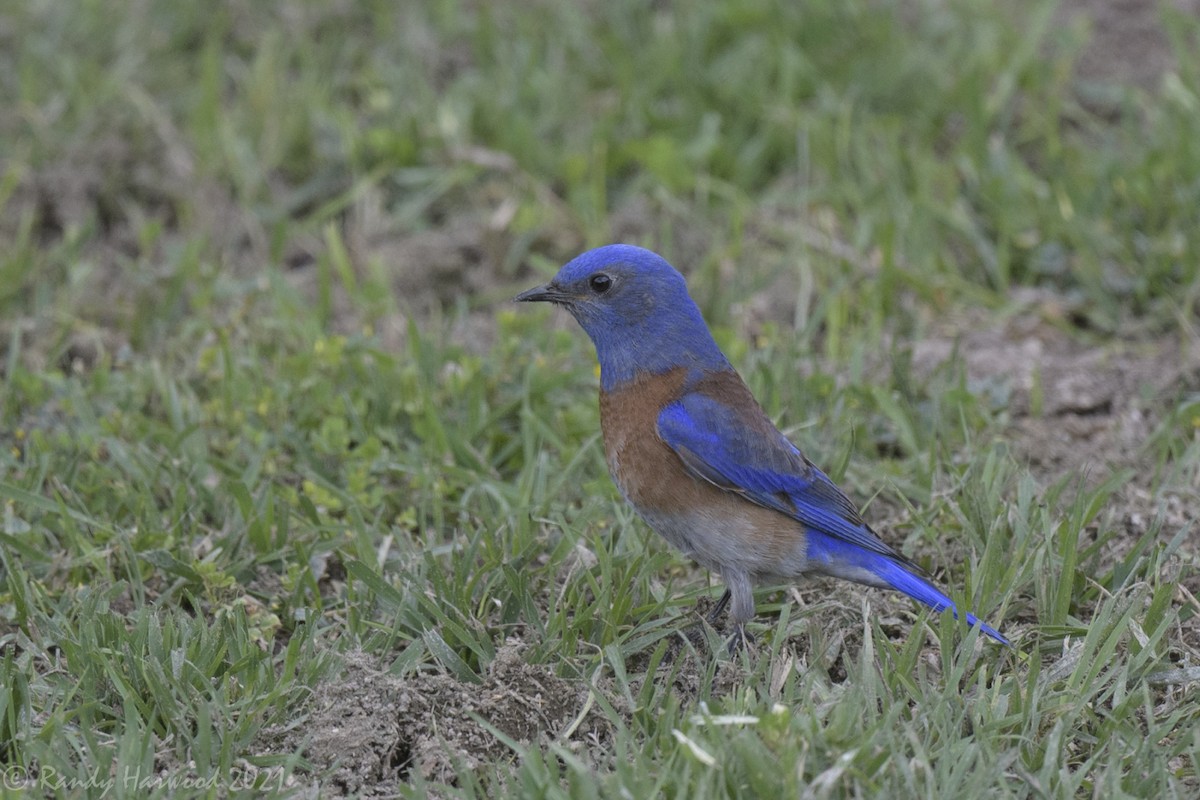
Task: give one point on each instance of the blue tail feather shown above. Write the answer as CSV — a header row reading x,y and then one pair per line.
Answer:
x,y
843,559
923,591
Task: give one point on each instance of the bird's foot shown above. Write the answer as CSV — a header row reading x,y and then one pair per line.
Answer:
x,y
715,612
741,640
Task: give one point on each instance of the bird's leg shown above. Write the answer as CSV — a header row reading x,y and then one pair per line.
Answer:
x,y
715,613
741,591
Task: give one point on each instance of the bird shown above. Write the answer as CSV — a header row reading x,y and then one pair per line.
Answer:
x,y
690,448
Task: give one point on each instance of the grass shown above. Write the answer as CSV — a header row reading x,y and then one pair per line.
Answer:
x,y
233,452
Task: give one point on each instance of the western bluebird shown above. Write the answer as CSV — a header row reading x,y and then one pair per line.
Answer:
x,y
694,453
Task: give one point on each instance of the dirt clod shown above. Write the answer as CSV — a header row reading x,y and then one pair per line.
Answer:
x,y
371,730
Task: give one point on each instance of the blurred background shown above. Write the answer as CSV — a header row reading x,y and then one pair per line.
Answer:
x,y
386,159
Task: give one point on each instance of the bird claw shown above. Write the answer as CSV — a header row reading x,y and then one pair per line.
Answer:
x,y
741,640
694,637
718,608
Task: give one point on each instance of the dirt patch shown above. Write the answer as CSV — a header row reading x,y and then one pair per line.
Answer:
x,y
109,215
1082,411
1077,408
1128,38
368,731
371,731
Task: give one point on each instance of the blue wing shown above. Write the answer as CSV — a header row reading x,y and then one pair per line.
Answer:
x,y
751,457
742,451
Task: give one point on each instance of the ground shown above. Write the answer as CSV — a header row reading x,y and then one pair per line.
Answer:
x,y
1099,404
448,674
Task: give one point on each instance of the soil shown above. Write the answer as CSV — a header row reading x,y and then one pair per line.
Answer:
x,y
1075,407
1128,40
371,731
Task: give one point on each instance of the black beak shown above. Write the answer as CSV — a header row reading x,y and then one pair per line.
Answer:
x,y
548,293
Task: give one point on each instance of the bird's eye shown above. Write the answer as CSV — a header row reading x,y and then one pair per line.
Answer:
x,y
600,283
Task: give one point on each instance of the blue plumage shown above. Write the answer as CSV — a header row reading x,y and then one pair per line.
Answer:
x,y
892,573
716,444
652,327
695,454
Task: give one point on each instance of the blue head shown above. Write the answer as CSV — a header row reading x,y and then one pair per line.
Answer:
x,y
637,311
